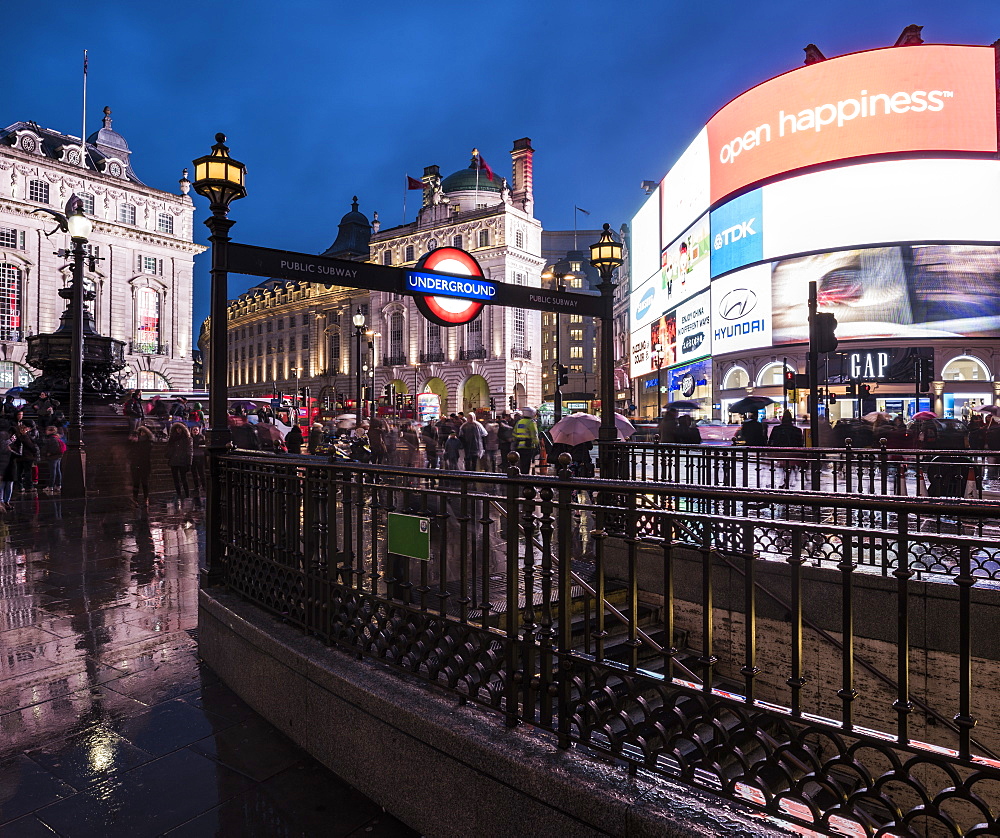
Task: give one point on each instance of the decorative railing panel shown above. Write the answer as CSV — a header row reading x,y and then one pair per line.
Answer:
x,y
632,618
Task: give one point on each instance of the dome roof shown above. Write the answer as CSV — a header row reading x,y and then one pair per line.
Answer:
x,y
464,180
354,234
108,138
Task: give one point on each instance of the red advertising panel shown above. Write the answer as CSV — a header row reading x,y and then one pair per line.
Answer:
x,y
902,99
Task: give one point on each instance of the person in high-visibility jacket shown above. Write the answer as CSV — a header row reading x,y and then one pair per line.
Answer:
x,y
526,438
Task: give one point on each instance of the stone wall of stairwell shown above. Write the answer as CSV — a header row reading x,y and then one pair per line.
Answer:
x,y
934,639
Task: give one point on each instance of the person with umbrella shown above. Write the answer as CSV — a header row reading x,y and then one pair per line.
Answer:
x,y
751,432
294,440
667,427
315,438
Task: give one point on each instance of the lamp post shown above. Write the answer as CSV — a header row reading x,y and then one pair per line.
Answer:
x,y
558,273
359,330
606,257
75,458
221,179
658,360
298,397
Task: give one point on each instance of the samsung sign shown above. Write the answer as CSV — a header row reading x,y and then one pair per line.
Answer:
x,y
446,286
737,233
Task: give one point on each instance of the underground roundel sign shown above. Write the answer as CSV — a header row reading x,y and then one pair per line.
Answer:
x,y
448,286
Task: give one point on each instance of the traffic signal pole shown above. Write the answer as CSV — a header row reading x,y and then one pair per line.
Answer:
x,y
813,384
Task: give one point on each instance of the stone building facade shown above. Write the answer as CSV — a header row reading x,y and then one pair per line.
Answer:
x,y
142,236
497,357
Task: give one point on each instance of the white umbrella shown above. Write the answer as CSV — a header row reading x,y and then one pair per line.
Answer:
x,y
585,427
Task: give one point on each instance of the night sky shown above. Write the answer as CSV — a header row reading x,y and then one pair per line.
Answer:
x,y
325,100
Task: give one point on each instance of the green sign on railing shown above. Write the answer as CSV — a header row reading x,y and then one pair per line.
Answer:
x,y
410,535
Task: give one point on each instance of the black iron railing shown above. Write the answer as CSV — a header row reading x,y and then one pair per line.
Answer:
x,y
870,471
521,352
393,360
730,638
432,357
473,354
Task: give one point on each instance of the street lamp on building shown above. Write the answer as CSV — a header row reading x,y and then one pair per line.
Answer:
x,y
606,257
221,179
359,330
657,358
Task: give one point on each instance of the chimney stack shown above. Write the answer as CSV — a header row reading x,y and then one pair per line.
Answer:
x,y
522,193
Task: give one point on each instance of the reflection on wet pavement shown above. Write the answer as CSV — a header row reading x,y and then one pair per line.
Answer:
x,y
109,723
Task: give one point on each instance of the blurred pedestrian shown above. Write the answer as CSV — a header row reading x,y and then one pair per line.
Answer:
x,y
667,426
429,437
452,448
491,446
140,461
377,429
134,411
315,438
25,449
45,408
53,448
198,455
505,438
409,444
526,439
8,464
472,434
180,453
687,431
294,440
751,432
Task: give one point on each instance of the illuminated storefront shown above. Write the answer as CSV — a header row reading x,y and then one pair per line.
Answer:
x,y
875,175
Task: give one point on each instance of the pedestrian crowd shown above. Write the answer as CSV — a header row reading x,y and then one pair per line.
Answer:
x,y
32,445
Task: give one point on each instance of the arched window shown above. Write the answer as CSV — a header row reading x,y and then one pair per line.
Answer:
x,y
146,380
965,368
146,340
14,375
736,378
773,375
11,289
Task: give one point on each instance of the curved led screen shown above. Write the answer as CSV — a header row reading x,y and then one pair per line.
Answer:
x,y
904,99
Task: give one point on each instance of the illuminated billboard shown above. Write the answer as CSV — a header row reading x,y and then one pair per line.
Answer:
x,y
882,292
772,194
906,99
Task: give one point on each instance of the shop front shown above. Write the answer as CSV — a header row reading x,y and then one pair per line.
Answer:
x,y
691,383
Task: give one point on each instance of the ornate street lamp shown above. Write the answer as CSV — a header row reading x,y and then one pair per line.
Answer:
x,y
359,330
75,459
606,257
221,179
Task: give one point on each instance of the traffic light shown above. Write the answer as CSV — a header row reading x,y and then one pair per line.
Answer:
x,y
562,375
825,332
832,398
864,390
789,380
493,405
512,401
388,391
926,374
852,389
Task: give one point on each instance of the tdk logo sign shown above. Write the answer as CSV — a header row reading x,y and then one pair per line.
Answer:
x,y
734,234
737,233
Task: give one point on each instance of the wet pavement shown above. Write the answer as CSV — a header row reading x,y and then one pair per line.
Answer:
x,y
109,723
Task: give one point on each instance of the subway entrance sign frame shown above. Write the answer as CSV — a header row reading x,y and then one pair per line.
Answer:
x,y
304,267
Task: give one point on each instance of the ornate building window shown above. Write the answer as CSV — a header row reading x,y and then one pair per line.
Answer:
x,y
474,334
387,256
12,237
410,254
484,238
150,265
396,334
456,241
88,202
433,339
38,190
126,213
165,223
11,290
519,328
519,239
147,322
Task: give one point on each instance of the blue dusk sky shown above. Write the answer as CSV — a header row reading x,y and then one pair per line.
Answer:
x,y
326,100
